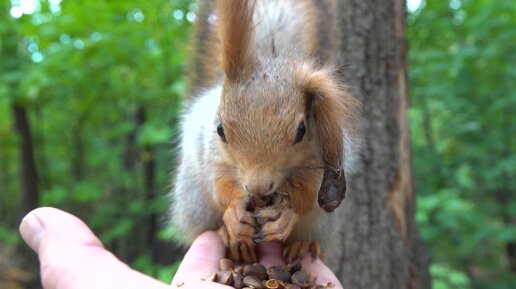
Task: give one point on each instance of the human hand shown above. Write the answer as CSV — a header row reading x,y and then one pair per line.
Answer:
x,y
202,260
72,257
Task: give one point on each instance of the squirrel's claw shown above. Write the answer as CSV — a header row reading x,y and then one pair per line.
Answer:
x,y
297,250
259,237
315,249
242,252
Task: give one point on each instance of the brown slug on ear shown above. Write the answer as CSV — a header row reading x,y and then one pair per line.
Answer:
x,y
333,189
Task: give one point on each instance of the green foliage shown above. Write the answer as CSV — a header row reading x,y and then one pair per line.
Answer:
x,y
102,83
146,266
463,88
444,277
9,236
163,273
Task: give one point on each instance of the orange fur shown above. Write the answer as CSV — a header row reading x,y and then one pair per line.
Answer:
x,y
303,188
333,110
227,191
235,30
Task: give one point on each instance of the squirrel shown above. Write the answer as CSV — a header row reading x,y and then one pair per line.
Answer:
x,y
267,127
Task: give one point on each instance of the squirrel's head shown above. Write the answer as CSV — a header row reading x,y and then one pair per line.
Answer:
x,y
286,116
277,116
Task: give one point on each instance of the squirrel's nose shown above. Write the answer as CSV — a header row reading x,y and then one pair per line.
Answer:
x,y
259,189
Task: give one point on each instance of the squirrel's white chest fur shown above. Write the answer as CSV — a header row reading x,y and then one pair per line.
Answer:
x,y
192,212
198,128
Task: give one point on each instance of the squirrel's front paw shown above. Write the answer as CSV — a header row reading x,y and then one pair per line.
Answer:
x,y
238,251
237,233
276,223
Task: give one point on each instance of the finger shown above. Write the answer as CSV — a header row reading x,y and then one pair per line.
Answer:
x,y
202,259
55,225
317,268
71,256
270,254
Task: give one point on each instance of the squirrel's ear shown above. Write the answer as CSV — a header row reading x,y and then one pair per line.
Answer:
x,y
235,24
333,112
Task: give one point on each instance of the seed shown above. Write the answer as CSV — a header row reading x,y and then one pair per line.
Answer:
x,y
239,269
253,282
238,280
211,278
279,273
291,286
262,201
260,270
262,220
294,267
247,269
256,270
225,277
250,205
301,279
272,284
226,264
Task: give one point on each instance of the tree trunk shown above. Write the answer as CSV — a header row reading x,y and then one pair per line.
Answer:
x,y
381,245
78,151
149,175
28,176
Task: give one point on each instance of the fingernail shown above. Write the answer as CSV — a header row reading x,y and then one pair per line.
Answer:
x,y
31,231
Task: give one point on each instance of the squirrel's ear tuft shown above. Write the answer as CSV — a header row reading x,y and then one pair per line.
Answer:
x,y
235,23
333,110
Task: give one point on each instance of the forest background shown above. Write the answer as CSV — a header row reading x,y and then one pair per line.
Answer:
x,y
96,89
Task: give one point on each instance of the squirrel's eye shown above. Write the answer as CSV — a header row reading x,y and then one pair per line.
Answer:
x,y
220,131
300,132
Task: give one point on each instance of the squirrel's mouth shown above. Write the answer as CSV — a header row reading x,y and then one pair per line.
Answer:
x,y
261,201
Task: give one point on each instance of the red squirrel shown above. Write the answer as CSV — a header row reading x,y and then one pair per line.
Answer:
x,y
266,133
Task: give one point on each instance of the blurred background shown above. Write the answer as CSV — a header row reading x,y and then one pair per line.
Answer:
x,y
91,92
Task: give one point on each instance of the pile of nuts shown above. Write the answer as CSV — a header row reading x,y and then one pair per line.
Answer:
x,y
256,276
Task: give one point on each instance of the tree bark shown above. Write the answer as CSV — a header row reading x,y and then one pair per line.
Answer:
x,y
381,246
28,176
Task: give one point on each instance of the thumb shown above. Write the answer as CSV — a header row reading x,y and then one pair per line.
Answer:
x,y
71,256
45,225
202,259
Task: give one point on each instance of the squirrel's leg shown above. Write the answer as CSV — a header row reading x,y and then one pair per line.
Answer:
x,y
239,225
